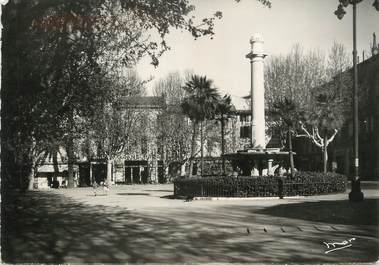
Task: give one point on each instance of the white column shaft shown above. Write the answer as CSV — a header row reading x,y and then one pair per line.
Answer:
x,y
257,102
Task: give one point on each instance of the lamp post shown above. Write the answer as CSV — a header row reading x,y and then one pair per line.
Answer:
x,y
356,193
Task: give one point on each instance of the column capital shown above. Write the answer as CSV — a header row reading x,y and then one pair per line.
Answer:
x,y
256,42
251,55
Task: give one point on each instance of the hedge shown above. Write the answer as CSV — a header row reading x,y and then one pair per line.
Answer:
x,y
302,184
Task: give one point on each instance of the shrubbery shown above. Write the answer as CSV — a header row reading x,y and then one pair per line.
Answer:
x,y
302,184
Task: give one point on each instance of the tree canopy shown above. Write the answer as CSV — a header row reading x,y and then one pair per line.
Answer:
x,y
308,93
57,56
202,99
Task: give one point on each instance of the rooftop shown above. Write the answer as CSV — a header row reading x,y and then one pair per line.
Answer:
x,y
240,103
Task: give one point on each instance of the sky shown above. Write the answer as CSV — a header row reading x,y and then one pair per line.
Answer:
x,y
311,23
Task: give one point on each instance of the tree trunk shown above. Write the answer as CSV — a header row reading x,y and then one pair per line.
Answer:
x,y
292,166
193,148
70,162
31,177
109,171
202,147
55,164
165,162
222,145
325,154
90,174
33,160
325,158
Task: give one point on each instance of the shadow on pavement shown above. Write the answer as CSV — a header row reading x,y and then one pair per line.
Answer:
x,y
161,190
45,227
135,193
335,212
172,197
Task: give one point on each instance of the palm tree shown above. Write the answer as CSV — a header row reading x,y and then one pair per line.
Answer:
x,y
224,111
199,104
288,113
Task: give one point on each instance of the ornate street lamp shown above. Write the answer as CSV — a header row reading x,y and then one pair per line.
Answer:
x,y
356,193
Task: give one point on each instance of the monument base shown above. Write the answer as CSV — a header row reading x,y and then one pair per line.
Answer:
x,y
247,160
260,150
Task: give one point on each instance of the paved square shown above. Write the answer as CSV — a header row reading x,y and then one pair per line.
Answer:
x,y
141,224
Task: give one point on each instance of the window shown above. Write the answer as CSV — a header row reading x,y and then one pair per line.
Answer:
x,y
245,132
245,118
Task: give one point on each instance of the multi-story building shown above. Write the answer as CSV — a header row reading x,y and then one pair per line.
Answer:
x,y
368,116
141,162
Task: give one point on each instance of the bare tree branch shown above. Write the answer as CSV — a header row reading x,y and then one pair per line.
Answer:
x,y
308,135
328,141
319,137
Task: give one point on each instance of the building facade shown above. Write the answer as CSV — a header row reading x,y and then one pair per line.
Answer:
x,y
140,162
368,116
340,151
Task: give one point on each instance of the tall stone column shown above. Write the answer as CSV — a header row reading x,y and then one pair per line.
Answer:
x,y
256,57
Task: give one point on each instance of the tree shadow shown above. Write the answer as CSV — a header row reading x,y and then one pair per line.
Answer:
x,y
173,197
135,193
335,212
162,190
46,227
